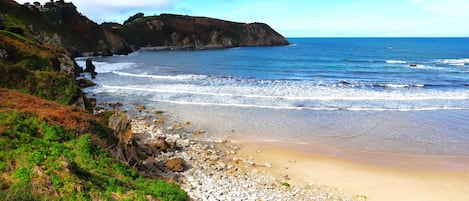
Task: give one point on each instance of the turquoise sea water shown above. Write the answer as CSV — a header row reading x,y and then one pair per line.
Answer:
x,y
406,95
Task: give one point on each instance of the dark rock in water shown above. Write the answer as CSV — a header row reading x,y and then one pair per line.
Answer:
x,y
140,107
344,83
118,122
115,105
175,164
83,83
90,68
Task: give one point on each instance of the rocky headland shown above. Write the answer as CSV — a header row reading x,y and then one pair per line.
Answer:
x,y
61,25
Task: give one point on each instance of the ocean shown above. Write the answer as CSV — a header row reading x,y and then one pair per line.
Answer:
x,y
392,95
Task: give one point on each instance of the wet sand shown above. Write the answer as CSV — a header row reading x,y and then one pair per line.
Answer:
x,y
364,179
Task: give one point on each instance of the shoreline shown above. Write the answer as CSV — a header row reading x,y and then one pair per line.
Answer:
x,y
371,182
221,169
400,161
212,169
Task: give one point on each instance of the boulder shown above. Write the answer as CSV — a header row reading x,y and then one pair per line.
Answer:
x,y
140,107
118,122
162,145
175,164
83,83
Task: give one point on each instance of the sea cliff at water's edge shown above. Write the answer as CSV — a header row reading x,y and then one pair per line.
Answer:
x,y
193,32
60,24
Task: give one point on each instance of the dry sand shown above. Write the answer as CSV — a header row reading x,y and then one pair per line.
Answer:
x,y
396,177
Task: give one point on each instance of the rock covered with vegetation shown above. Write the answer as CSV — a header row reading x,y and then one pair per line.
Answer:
x,y
178,31
61,25
50,151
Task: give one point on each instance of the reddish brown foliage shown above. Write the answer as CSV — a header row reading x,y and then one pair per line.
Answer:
x,y
70,117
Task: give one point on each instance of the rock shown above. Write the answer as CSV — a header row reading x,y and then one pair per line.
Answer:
x,y
90,68
141,118
83,83
162,145
115,105
171,145
118,122
267,165
198,132
175,164
140,107
3,54
220,141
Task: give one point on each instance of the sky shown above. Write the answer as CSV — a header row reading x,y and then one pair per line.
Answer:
x,y
306,18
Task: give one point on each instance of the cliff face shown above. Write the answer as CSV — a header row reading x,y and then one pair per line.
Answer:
x,y
61,25
195,32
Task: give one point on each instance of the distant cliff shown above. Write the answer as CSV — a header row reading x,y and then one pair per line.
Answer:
x,y
60,24
193,32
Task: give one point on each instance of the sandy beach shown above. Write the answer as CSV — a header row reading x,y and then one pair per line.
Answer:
x,y
363,180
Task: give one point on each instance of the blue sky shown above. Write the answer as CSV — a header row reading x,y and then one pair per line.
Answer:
x,y
306,18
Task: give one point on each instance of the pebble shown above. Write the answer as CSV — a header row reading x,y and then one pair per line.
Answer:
x,y
215,175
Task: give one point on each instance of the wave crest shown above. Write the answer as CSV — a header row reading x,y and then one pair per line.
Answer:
x,y
167,77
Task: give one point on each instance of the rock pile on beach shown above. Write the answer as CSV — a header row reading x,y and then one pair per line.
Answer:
x,y
212,170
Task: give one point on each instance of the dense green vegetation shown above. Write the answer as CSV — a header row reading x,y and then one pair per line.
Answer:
x,y
53,86
39,161
33,68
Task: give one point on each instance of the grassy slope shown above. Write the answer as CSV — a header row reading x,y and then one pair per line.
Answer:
x,y
33,68
47,155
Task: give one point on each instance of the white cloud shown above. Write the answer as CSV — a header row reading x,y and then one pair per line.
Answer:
x,y
115,10
445,7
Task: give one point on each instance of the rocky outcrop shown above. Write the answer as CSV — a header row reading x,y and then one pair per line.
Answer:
x,y
89,67
61,25
118,122
188,32
175,164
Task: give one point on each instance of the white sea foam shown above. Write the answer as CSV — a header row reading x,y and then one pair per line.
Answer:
x,y
308,108
169,77
336,95
420,66
401,85
316,98
454,62
396,62
106,67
